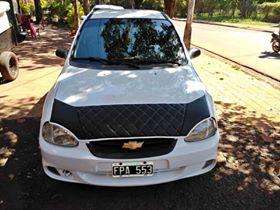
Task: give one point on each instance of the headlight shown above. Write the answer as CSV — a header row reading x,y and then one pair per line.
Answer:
x,y
203,130
55,134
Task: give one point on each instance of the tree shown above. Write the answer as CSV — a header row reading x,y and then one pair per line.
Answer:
x,y
169,7
138,3
246,8
132,3
75,15
86,6
188,28
38,11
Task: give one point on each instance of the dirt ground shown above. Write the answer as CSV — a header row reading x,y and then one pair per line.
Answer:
x,y
246,176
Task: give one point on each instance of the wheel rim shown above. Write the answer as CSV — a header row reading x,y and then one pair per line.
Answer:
x,y
13,66
276,46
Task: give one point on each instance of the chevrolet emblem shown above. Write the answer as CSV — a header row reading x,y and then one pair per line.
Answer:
x,y
132,145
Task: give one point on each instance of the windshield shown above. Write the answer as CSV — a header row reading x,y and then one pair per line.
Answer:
x,y
138,40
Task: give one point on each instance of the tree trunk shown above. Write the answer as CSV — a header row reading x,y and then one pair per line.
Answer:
x,y
97,2
188,28
38,11
137,3
86,7
169,7
245,8
75,15
132,4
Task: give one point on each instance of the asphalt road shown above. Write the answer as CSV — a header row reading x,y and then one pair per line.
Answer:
x,y
247,47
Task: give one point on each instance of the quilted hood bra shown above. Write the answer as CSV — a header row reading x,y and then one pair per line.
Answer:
x,y
132,120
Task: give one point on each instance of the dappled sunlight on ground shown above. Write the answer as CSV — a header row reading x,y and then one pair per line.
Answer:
x,y
39,53
17,108
39,68
249,147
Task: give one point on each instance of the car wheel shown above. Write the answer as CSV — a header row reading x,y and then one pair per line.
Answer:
x,y
9,65
276,46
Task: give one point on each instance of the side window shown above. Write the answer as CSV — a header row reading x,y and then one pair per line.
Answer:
x,y
88,43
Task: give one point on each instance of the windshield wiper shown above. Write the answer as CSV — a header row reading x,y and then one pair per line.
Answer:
x,y
97,59
108,62
124,62
166,62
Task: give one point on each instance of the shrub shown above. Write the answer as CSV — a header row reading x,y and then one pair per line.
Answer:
x,y
70,13
270,10
27,7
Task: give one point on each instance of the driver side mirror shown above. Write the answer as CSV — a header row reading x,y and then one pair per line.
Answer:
x,y
61,53
194,52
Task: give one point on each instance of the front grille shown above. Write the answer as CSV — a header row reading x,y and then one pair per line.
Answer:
x,y
113,149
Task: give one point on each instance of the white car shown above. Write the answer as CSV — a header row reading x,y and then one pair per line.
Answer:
x,y
107,7
128,108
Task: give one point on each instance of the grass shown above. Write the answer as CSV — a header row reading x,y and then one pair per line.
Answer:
x,y
237,21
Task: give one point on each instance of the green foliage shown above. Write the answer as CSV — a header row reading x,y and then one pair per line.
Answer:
x,y
270,10
181,8
27,8
152,4
235,9
70,13
62,11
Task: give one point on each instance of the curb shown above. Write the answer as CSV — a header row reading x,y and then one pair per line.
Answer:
x,y
225,25
240,64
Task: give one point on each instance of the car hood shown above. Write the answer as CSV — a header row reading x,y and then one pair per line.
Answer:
x,y
161,85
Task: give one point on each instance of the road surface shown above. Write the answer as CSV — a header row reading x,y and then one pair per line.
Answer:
x,y
247,47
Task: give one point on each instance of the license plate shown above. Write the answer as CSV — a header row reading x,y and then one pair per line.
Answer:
x,y
132,169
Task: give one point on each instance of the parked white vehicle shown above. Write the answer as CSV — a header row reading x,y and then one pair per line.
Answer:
x,y
128,108
8,60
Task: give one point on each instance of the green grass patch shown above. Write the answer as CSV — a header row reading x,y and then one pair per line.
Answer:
x,y
256,22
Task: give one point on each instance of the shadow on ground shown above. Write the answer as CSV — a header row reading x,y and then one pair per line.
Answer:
x,y
38,50
244,178
271,55
17,108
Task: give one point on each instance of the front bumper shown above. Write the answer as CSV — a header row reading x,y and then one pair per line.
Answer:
x,y
80,166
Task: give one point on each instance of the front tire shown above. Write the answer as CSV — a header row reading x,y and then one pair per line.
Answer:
x,y
9,66
276,46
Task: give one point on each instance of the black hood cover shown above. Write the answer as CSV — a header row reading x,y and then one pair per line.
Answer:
x,y
133,120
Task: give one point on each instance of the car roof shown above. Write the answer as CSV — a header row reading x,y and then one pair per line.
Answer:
x,y
106,6
127,13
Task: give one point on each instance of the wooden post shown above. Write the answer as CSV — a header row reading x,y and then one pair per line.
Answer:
x,y
188,28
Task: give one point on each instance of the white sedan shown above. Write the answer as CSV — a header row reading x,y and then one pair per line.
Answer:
x,y
128,108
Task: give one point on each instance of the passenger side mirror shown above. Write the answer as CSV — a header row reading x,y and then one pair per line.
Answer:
x,y
61,53
83,17
194,52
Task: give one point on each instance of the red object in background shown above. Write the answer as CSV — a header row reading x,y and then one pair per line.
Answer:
x,y
27,24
